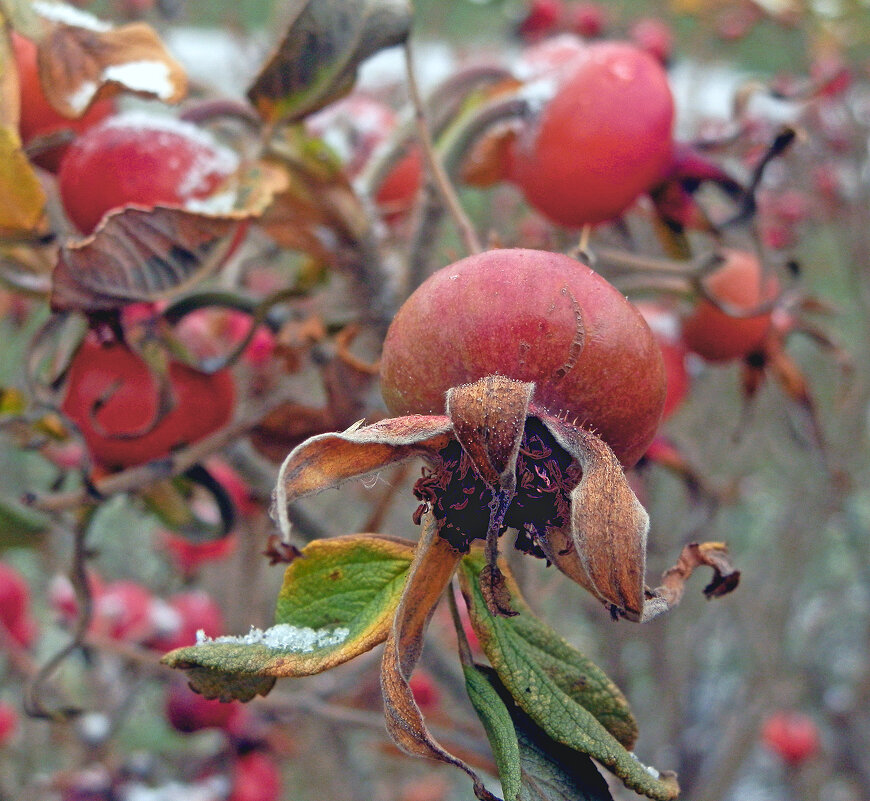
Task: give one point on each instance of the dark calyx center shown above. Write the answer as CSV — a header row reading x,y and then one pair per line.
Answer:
x,y
461,501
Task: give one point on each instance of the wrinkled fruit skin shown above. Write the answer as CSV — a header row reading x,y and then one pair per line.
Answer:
x,y
791,735
531,316
38,117
603,139
134,159
113,399
717,336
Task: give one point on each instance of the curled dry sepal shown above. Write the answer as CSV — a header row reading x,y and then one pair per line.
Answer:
x,y
496,462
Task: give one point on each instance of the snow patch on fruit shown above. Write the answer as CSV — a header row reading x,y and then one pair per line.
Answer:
x,y
539,92
207,790
217,204
283,637
81,98
69,15
152,77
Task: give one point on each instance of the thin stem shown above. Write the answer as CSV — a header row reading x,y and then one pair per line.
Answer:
x,y
436,170
465,656
33,702
136,478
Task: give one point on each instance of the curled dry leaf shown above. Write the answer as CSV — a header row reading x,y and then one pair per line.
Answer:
x,y
693,555
317,59
79,64
433,566
140,255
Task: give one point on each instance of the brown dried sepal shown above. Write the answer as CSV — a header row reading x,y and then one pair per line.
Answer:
x,y
488,420
604,549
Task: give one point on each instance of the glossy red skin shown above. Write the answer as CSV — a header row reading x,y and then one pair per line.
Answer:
x,y
717,336
38,117
15,606
120,434
533,316
602,140
792,735
111,166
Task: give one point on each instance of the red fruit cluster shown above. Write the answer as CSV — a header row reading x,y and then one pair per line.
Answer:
x,y
140,159
114,399
532,316
586,158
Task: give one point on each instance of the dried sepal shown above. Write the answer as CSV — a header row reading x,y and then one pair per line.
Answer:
x,y
328,460
434,563
604,549
489,417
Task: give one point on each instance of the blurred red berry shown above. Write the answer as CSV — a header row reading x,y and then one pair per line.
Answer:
x,y
425,691
15,606
655,37
541,18
256,777
8,722
187,711
587,19
792,735
183,615
188,556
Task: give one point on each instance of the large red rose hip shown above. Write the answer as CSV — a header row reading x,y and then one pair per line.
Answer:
x,y
603,137
531,316
140,159
115,401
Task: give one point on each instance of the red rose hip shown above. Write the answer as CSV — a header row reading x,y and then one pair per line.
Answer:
x,y
140,159
532,316
602,137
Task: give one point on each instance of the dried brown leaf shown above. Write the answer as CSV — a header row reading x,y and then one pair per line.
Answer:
x,y
434,564
694,555
317,59
78,65
22,200
140,255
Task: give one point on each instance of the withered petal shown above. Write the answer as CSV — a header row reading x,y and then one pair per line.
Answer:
x,y
489,417
328,460
604,550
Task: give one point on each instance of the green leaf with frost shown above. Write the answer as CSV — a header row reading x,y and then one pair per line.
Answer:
x,y
337,601
558,688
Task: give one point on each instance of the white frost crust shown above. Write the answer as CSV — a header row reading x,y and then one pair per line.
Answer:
x,y
69,15
143,76
210,789
283,637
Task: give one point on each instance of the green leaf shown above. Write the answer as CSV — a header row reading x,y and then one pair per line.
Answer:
x,y
337,601
499,729
20,527
547,770
553,683
317,60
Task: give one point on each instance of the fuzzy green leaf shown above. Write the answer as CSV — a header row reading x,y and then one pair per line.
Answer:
x,y
337,601
499,729
19,526
553,683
